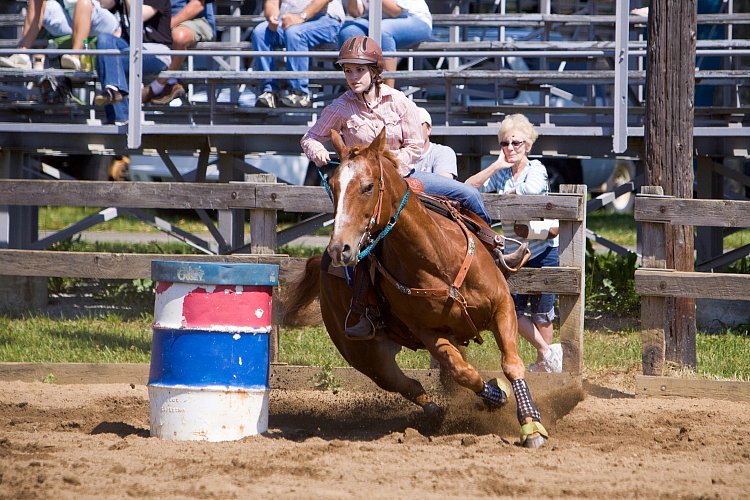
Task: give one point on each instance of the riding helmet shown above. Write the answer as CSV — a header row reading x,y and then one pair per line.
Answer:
x,y
361,50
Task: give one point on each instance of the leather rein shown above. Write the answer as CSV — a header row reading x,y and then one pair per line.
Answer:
x,y
452,291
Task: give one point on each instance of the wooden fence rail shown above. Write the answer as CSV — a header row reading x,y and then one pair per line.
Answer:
x,y
263,201
655,283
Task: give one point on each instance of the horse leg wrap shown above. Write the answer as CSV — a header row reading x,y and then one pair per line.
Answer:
x,y
492,395
525,405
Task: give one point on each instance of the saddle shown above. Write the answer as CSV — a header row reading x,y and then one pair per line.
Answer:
x,y
495,243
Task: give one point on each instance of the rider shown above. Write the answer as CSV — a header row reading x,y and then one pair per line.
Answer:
x,y
359,115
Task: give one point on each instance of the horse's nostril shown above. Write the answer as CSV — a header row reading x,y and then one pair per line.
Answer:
x,y
346,252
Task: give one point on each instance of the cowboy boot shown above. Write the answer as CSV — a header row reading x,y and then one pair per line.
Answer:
x,y
363,304
364,329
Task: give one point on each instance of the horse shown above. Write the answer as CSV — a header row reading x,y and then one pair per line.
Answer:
x,y
438,289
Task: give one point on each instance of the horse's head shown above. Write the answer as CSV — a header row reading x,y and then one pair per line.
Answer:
x,y
358,189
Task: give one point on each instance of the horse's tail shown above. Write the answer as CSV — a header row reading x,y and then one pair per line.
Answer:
x,y
302,292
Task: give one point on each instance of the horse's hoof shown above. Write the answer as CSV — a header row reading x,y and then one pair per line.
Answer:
x,y
433,410
534,442
533,435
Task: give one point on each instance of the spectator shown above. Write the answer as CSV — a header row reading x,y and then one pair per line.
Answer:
x,y
435,158
89,16
193,21
360,114
297,25
405,23
514,173
113,70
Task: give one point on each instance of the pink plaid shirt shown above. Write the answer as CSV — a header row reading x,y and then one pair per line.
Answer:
x,y
360,125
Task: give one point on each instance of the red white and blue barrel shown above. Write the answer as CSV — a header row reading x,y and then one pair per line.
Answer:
x,y
209,356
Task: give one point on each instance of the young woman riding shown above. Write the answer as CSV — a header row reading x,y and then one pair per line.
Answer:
x,y
359,115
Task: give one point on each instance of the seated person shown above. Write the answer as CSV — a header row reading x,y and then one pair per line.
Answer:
x,y
297,25
435,158
405,23
514,173
89,17
113,70
193,21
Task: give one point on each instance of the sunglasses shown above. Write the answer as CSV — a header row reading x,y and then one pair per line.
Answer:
x,y
505,144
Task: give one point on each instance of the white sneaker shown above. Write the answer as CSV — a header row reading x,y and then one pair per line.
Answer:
x,y
70,62
552,362
18,61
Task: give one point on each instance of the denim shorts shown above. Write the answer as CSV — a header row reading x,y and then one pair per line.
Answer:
x,y
540,307
57,20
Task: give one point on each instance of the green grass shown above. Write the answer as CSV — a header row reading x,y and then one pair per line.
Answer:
x,y
114,338
620,229
109,338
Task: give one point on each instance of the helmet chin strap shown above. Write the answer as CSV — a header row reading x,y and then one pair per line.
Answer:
x,y
368,89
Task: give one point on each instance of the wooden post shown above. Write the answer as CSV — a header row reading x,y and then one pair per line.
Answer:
x,y
231,222
653,314
263,241
670,93
572,307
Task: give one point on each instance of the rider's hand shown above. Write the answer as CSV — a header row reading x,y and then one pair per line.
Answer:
x,y
322,158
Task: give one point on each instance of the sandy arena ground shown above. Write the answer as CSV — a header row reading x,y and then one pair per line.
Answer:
x,y
92,441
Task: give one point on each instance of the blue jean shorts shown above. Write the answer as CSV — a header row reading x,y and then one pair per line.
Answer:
x,y
58,21
540,307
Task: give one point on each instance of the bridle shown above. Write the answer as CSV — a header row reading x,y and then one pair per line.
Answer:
x,y
369,237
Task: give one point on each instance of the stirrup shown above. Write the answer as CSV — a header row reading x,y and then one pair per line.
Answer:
x,y
364,329
512,262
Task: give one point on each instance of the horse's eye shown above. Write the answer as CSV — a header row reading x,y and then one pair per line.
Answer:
x,y
368,188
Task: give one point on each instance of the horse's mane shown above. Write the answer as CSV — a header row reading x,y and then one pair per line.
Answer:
x,y
387,155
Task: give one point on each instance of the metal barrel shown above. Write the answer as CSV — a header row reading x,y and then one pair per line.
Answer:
x,y
208,378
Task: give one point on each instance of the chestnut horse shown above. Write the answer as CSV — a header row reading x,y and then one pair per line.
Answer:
x,y
435,285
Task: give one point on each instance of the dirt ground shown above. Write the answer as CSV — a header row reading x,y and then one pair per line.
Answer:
x,y
92,441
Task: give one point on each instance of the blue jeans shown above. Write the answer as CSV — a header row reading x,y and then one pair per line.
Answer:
x,y
113,71
300,37
467,195
397,32
541,307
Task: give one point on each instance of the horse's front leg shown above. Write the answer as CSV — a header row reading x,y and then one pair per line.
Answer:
x,y
464,374
533,433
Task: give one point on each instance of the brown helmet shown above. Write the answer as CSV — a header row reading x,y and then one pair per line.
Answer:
x,y
361,50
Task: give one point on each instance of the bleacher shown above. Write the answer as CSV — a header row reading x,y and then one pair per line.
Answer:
x,y
556,67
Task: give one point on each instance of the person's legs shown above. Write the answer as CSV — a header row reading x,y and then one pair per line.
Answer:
x,y
89,18
468,196
184,36
39,13
401,32
265,39
112,72
303,37
355,27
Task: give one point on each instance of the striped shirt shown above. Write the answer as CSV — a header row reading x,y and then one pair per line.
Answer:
x,y
532,180
360,125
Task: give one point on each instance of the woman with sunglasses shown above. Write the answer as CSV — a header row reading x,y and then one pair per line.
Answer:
x,y
514,173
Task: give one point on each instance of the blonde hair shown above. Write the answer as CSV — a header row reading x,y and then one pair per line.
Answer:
x,y
518,122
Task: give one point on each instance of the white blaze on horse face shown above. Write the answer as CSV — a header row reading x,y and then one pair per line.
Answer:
x,y
342,219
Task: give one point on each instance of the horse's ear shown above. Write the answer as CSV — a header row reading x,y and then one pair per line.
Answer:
x,y
379,144
338,144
